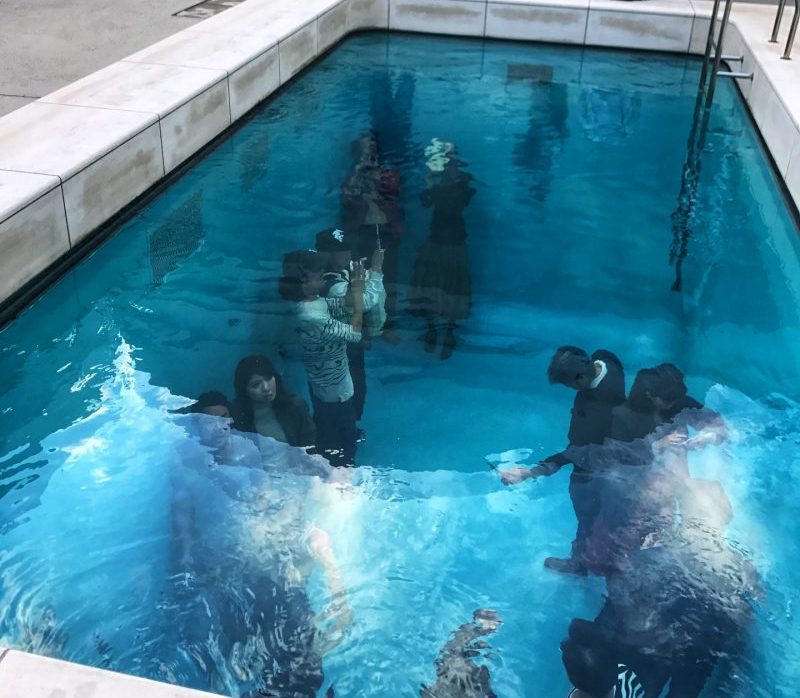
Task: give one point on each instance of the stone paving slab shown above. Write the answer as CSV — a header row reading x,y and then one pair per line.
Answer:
x,y
46,45
25,675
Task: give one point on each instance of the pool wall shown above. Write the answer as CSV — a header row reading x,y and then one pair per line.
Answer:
x,y
73,159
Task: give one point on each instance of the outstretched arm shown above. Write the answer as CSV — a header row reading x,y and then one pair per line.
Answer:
x,y
545,468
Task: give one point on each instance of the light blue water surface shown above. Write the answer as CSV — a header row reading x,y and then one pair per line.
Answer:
x,y
568,236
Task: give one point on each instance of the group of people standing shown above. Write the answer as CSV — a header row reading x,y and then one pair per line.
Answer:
x,y
678,595
344,292
644,524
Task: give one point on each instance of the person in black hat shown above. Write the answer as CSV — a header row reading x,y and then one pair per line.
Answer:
x,y
335,245
324,339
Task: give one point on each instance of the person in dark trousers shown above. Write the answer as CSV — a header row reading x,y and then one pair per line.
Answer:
x,y
457,675
324,341
600,384
264,406
337,248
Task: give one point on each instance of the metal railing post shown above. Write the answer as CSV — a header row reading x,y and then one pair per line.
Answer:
x,y
777,26
787,52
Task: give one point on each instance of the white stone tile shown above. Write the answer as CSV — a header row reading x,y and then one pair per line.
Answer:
x,y
158,89
198,49
96,193
18,189
189,128
332,26
29,676
536,23
578,4
268,19
462,17
774,122
253,82
654,32
30,240
61,140
792,176
702,8
679,8
368,14
697,44
297,51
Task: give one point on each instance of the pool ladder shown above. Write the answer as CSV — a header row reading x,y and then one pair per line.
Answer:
x,y
683,215
787,51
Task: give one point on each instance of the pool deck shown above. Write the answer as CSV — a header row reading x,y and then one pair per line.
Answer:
x,y
44,46
25,675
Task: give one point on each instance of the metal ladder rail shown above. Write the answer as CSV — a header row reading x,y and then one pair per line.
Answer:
x,y
690,176
787,51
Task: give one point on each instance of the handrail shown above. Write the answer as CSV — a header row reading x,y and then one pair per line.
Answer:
x,y
778,19
787,51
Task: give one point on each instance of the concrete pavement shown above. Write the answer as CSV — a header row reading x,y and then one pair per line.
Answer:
x,y
46,44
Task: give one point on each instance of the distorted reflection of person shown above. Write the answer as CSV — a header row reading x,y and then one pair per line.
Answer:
x,y
599,382
538,150
457,674
684,602
324,339
263,405
334,244
373,219
244,548
212,423
609,116
441,287
644,463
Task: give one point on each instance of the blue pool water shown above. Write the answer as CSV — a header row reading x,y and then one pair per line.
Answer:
x,y
576,169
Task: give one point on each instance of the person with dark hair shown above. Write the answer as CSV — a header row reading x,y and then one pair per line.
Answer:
x,y
213,425
441,288
264,406
324,341
334,243
599,381
373,218
457,674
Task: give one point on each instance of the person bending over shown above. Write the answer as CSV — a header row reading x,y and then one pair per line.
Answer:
x,y
599,382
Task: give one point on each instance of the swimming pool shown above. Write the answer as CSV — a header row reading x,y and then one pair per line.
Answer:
x,y
576,158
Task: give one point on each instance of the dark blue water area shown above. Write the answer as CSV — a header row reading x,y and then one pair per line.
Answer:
x,y
576,157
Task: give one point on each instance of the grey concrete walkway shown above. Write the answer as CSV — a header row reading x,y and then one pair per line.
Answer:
x,y
46,44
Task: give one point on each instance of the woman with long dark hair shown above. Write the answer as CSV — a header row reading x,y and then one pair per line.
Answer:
x,y
264,406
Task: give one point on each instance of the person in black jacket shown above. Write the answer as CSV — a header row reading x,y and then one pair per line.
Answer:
x,y
264,406
600,384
